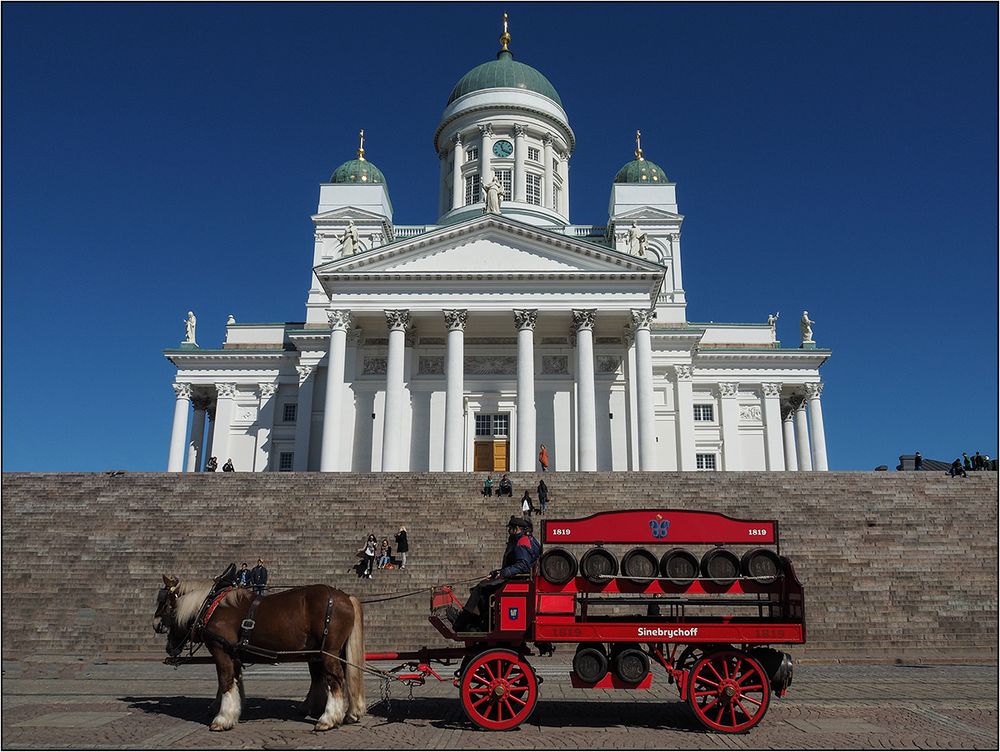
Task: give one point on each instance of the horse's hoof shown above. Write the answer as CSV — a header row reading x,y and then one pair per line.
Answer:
x,y
218,727
322,727
351,719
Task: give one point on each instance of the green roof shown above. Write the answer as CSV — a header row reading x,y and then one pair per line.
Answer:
x,y
641,171
359,171
504,73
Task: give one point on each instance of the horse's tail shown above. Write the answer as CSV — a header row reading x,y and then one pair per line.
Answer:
x,y
355,650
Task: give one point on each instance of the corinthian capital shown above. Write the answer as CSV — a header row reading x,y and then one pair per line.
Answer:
x,y
584,319
683,372
455,320
525,319
729,389
814,390
641,319
486,129
267,390
183,391
226,391
304,373
771,390
457,140
397,320
339,319
519,131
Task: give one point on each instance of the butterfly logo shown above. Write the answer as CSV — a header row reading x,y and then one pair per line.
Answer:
x,y
659,526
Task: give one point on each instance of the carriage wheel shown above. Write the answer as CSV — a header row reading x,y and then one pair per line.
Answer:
x,y
729,691
498,690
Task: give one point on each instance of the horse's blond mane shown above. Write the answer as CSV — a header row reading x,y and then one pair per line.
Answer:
x,y
190,597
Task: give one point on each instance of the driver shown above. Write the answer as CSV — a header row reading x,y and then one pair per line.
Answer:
x,y
518,558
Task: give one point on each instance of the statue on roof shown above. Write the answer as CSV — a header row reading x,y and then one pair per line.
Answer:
x,y
349,243
806,326
189,326
494,192
638,241
772,319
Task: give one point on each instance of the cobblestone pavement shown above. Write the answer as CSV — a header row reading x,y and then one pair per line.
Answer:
x,y
146,705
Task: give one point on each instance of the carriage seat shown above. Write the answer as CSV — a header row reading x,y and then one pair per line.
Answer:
x,y
226,579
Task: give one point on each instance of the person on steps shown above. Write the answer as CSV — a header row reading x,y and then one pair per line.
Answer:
x,y
228,467
506,487
402,546
243,577
258,577
543,496
543,458
369,553
488,486
519,557
526,506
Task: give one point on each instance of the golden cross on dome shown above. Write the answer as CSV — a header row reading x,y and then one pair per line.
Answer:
x,y
638,145
505,37
361,148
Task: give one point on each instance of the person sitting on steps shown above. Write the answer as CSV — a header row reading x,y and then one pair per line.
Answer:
x,y
506,487
488,486
519,557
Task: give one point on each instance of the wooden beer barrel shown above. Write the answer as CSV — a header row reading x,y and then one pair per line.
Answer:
x,y
640,566
680,566
762,564
558,566
630,665
590,662
598,565
721,566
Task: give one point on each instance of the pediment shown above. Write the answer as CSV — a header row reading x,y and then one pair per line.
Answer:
x,y
348,212
490,245
649,213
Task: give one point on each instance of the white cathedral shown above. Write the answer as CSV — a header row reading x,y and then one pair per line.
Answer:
x,y
466,344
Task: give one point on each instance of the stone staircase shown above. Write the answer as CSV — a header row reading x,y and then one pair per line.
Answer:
x,y
899,566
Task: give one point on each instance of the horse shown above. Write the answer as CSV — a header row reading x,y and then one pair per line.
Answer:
x,y
321,622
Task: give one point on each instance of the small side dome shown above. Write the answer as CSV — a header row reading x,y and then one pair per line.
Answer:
x,y
359,171
641,171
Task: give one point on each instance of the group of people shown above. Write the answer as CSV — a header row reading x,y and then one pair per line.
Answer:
x,y
374,555
963,465
213,464
505,488
255,578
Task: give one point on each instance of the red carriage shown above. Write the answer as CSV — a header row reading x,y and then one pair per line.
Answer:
x,y
709,620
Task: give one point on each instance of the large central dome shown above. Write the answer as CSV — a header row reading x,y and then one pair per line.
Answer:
x,y
504,73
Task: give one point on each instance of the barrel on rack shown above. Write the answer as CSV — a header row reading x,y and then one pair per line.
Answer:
x,y
680,566
629,663
591,661
598,566
640,566
762,564
721,566
558,566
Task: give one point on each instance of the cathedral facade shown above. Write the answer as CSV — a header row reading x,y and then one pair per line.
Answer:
x,y
466,344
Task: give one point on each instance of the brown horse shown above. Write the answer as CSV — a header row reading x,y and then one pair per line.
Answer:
x,y
315,618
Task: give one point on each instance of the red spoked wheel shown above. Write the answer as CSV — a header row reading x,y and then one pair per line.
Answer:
x,y
729,691
498,690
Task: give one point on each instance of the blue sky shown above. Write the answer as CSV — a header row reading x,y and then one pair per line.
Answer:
x,y
159,158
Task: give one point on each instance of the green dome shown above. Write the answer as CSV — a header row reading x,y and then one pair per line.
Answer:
x,y
641,171
504,72
359,171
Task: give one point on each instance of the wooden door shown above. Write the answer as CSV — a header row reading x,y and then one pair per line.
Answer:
x,y
483,457
500,464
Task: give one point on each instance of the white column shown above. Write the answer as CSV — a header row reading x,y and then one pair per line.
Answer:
x,y
182,403
684,387
265,425
197,433
225,407
631,385
563,207
340,322
772,426
444,188
586,410
547,189
520,155
485,152
813,391
644,389
801,434
392,425
457,187
524,320
729,414
303,416
210,442
788,429
454,403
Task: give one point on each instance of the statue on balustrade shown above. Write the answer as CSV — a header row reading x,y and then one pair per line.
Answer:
x,y
189,326
638,241
806,326
494,192
349,243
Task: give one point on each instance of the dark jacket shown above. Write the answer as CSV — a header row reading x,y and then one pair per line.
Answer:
x,y
258,576
244,578
402,544
543,491
521,554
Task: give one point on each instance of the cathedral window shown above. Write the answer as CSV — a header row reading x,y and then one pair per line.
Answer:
x,y
472,190
705,461
533,185
289,413
286,460
555,165
504,176
471,155
533,154
484,425
704,412
556,197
